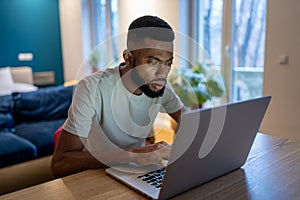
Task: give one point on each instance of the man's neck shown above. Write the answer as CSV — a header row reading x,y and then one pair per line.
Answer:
x,y
129,84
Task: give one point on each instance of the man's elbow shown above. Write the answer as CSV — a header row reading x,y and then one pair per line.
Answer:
x,y
57,169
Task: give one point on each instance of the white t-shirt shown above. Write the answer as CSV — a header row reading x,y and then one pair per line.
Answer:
x,y
102,107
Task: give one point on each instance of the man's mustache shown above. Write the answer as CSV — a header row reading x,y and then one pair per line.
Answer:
x,y
159,80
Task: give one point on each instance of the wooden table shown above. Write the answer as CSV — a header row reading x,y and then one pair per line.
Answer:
x,y
272,171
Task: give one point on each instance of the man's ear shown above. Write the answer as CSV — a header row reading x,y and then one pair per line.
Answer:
x,y
128,58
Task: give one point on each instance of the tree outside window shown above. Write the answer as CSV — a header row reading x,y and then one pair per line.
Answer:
x,y
247,42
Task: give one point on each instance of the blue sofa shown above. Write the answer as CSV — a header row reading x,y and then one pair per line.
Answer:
x,y
28,121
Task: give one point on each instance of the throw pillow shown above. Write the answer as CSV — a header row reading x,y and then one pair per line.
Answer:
x,y
5,77
17,87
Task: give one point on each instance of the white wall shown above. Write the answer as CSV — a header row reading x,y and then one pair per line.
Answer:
x,y
129,10
282,81
132,9
71,36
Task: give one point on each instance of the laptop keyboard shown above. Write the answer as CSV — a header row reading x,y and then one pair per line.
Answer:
x,y
154,178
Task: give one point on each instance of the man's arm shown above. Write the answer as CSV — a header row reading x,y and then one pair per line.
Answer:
x,y
177,115
69,158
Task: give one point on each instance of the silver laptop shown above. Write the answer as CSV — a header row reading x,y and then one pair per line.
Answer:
x,y
209,143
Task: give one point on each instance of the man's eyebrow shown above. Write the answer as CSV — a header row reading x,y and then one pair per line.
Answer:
x,y
158,59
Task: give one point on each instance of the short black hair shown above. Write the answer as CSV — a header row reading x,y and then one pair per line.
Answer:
x,y
149,27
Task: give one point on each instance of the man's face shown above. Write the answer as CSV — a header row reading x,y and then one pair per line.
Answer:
x,y
151,66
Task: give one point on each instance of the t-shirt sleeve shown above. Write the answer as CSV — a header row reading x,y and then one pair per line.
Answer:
x,y
171,102
82,110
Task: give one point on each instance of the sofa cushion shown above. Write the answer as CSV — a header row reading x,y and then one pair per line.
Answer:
x,y
6,113
6,121
41,134
44,104
14,149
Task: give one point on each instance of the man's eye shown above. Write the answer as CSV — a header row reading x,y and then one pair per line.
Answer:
x,y
169,64
153,63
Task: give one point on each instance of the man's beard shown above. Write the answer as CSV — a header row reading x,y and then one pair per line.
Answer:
x,y
139,81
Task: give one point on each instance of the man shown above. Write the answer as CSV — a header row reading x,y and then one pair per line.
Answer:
x,y
113,111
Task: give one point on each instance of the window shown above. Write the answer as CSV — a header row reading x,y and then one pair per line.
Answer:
x,y
233,34
105,26
105,19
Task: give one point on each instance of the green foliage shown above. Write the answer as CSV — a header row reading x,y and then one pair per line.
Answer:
x,y
195,85
94,58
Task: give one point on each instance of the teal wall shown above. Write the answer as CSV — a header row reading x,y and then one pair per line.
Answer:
x,y
31,26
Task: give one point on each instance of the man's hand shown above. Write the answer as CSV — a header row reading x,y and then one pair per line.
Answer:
x,y
157,153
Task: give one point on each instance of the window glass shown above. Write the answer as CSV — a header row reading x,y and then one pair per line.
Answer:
x,y
105,18
246,51
248,48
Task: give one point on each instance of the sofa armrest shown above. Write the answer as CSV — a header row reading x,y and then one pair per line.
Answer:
x,y
22,74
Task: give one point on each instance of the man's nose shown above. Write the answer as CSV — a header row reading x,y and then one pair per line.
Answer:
x,y
162,71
